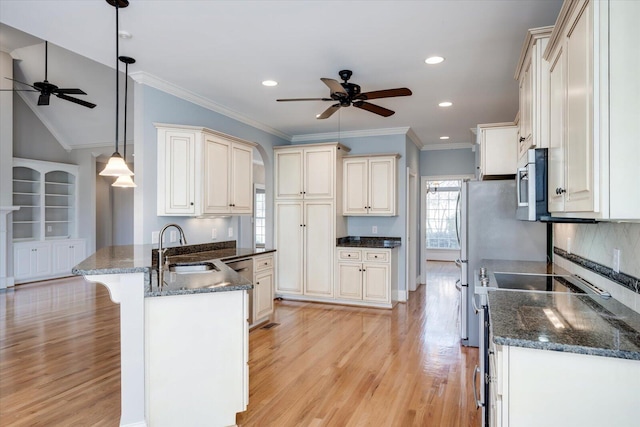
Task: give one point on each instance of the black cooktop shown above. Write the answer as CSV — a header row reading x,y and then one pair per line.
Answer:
x,y
536,282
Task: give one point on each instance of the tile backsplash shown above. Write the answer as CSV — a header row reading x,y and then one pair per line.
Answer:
x,y
596,242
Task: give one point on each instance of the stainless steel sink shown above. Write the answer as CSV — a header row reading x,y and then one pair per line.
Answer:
x,y
203,267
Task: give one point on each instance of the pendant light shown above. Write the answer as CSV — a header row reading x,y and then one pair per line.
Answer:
x,y
125,180
116,165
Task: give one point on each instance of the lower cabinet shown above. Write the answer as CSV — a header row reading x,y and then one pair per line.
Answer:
x,y
38,260
365,276
263,287
531,387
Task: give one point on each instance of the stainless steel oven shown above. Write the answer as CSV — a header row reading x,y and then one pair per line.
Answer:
x,y
531,186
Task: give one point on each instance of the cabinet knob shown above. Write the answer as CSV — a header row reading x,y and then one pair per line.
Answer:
x,y
359,269
304,192
560,190
300,225
364,269
301,192
349,255
257,283
191,203
375,256
522,138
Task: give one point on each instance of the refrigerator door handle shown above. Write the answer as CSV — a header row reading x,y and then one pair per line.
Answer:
x,y
458,287
458,214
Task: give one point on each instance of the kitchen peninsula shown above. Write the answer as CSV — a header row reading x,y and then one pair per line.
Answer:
x,y
184,345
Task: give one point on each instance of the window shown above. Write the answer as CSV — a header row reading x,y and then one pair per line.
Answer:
x,y
442,198
260,218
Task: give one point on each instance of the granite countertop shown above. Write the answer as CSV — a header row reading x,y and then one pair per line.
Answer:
x,y
143,259
585,324
368,242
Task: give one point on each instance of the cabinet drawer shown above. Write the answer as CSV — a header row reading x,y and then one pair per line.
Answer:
x,y
263,263
376,256
349,255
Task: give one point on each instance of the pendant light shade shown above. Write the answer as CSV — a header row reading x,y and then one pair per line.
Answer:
x,y
116,165
124,181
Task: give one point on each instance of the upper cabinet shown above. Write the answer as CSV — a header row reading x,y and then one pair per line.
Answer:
x,y
498,150
532,75
203,172
594,105
307,172
369,185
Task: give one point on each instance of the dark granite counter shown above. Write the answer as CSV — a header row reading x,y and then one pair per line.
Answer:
x,y
368,242
565,322
143,259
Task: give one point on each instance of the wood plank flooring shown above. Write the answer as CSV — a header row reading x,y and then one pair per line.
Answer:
x,y
323,365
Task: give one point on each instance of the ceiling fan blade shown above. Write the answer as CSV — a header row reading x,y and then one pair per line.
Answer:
x,y
70,91
304,99
387,93
374,108
76,100
43,99
334,86
328,112
22,83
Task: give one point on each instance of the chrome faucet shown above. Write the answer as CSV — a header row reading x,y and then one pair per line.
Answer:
x,y
161,250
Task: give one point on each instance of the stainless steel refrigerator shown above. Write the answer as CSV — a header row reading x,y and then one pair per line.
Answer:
x,y
488,229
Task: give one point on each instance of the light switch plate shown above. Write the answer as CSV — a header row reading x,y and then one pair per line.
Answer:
x,y
616,260
173,236
155,235
214,233
230,232
374,229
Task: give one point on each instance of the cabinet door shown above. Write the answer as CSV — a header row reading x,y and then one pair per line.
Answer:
x,y
319,172
579,143
263,295
319,248
376,282
176,173
242,179
288,174
62,257
289,243
41,260
557,96
349,280
355,191
216,185
382,192
499,150
22,261
526,99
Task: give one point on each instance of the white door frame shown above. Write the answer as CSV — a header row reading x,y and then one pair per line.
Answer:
x,y
256,187
411,228
423,216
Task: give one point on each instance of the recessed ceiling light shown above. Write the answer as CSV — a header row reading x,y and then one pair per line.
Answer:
x,y
432,60
444,137
270,83
124,34
445,104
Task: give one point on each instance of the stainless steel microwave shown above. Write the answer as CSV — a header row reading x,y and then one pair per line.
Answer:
x,y
531,186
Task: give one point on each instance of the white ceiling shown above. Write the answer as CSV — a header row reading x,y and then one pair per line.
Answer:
x,y
221,51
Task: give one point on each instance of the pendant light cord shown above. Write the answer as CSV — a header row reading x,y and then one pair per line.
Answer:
x,y
126,91
117,76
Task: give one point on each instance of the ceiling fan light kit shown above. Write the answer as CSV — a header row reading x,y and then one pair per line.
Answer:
x,y
116,165
349,94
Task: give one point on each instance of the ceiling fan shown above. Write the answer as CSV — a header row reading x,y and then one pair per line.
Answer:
x,y
349,94
47,89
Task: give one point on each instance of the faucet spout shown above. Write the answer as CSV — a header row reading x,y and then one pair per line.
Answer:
x,y
161,250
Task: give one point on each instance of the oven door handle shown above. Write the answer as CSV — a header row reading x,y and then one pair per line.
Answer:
x,y
475,306
522,173
476,371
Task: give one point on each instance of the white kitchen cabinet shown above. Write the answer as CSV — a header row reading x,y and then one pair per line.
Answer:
x,y
529,387
263,287
369,185
67,254
498,149
203,172
594,93
532,75
308,194
307,172
366,276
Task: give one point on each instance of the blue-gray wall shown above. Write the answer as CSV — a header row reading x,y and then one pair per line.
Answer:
x,y
155,106
447,162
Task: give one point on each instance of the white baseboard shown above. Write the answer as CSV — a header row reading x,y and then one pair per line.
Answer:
x,y
7,282
402,296
136,424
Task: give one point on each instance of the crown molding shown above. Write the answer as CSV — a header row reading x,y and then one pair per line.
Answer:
x,y
414,138
50,127
97,145
147,79
350,134
447,146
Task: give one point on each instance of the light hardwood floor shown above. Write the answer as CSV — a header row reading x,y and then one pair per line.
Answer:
x,y
323,365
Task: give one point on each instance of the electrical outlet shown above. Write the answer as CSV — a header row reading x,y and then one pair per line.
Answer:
x,y
214,233
173,236
49,228
230,232
374,229
568,245
616,260
155,235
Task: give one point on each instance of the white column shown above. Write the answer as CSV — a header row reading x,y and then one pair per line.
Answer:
x,y
6,167
6,279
